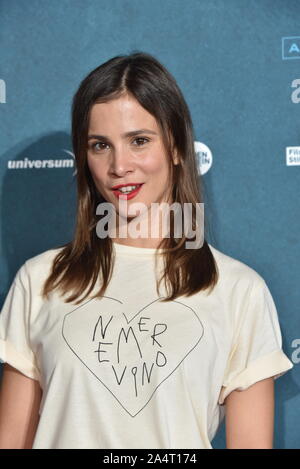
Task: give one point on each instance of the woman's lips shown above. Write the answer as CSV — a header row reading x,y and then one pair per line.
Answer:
x,y
129,196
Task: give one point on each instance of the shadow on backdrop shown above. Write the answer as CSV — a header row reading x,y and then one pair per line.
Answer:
x,y
38,205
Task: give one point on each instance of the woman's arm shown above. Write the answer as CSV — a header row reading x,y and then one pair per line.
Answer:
x,y
249,416
20,399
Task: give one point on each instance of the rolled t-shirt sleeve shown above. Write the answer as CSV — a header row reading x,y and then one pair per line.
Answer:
x,y
15,347
257,352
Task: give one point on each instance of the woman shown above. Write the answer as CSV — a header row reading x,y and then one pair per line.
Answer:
x,y
136,342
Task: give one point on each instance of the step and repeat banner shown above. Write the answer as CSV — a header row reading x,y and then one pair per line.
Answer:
x,y
238,65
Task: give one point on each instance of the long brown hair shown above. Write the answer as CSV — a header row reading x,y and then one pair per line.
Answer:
x,y
78,264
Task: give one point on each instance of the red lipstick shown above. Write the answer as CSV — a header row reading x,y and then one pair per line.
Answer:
x,y
131,194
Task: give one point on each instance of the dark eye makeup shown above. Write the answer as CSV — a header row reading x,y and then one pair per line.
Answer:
x,y
93,146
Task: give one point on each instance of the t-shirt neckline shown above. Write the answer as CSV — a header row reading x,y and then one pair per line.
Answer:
x,y
134,250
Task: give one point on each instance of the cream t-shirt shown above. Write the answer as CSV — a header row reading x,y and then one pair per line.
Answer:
x,y
128,371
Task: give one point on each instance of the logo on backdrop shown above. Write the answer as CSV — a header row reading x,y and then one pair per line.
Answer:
x,y
293,156
53,163
2,91
290,47
203,157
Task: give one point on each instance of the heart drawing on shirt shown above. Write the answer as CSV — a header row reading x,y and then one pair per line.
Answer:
x,y
132,355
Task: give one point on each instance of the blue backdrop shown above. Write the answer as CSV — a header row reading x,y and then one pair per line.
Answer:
x,y
238,65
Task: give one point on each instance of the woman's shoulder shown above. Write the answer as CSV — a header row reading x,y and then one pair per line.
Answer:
x,y
43,258
232,270
39,266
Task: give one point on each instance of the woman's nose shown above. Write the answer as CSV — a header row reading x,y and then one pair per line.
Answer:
x,y
121,160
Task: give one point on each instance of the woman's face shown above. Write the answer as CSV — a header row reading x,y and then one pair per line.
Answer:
x,y
125,147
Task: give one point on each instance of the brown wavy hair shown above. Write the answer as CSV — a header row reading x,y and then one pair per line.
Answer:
x,y
88,258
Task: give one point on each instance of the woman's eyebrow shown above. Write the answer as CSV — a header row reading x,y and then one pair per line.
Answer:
x,y
132,133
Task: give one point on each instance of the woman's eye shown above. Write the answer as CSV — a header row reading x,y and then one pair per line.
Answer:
x,y
94,146
99,146
141,139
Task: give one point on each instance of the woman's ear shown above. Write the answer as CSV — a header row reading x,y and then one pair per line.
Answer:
x,y
174,152
175,156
